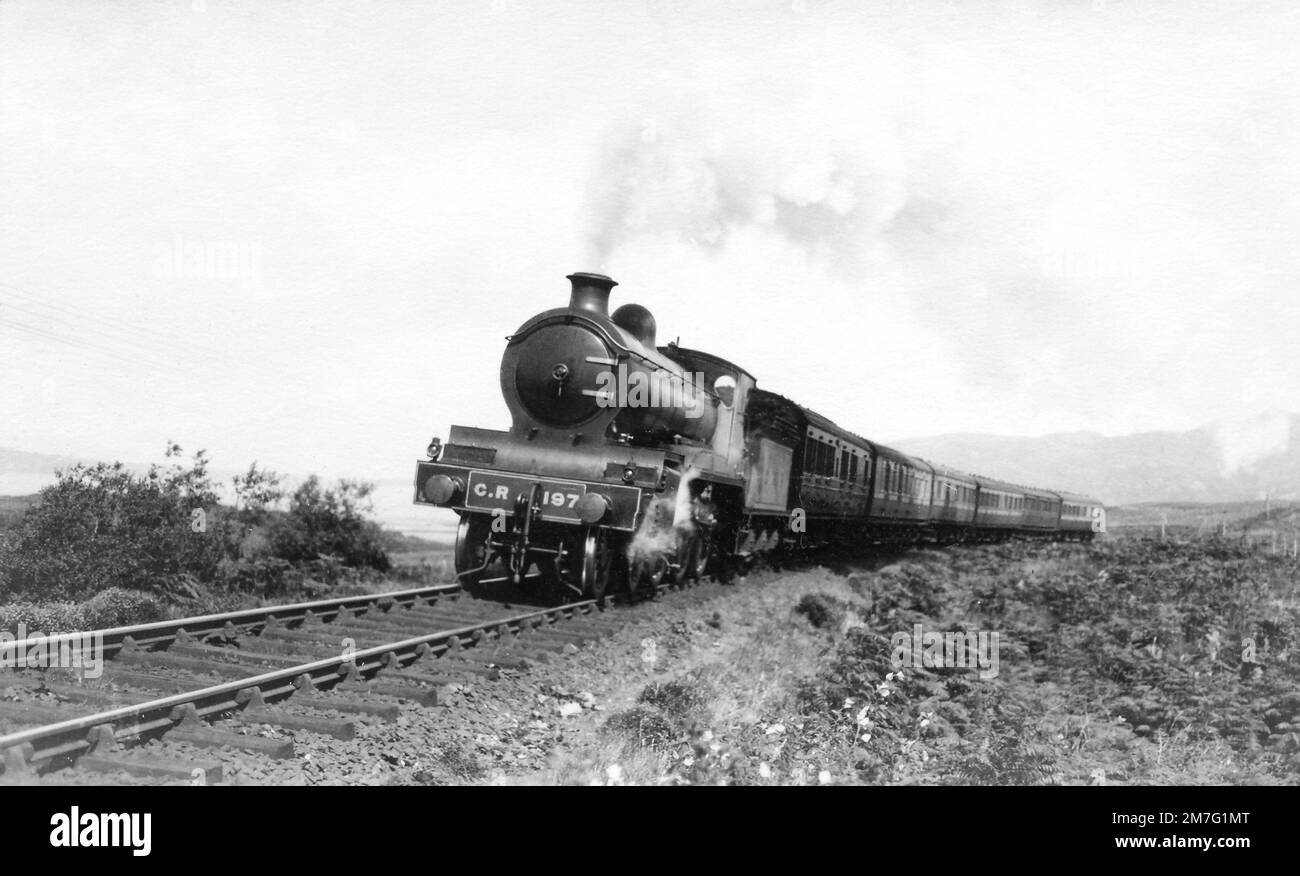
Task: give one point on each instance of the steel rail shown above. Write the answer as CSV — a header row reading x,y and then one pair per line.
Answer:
x,y
157,632
79,734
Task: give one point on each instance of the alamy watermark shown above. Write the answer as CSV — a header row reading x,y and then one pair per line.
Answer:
x,y
648,389
80,651
194,259
960,649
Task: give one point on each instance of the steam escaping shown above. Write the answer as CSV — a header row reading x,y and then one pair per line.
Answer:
x,y
1245,442
683,510
668,518
656,536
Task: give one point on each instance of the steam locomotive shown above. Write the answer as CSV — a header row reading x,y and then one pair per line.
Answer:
x,y
628,464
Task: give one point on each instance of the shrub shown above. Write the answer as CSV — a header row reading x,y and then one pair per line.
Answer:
x,y
102,529
646,724
821,610
116,607
322,523
102,526
30,618
676,698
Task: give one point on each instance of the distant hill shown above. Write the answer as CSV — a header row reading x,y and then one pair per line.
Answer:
x,y
23,473
1221,462
12,509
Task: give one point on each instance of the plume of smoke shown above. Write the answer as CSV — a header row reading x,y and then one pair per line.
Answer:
x,y
907,193
1244,442
670,179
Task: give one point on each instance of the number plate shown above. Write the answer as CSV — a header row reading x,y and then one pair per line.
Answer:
x,y
490,491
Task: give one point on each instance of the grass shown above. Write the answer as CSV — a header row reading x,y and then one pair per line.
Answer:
x,y
1120,663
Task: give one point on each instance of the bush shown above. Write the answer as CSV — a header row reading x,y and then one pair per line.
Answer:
x,y
102,526
323,523
646,724
116,607
676,698
821,610
29,618
103,531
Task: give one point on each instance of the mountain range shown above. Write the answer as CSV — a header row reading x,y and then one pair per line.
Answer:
x,y
1224,461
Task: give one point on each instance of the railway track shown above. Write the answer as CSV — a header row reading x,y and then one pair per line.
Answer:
x,y
317,666
218,681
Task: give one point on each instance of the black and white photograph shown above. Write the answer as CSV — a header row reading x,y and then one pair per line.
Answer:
x,y
784,393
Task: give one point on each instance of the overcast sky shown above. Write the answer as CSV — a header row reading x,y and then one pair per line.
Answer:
x,y
299,232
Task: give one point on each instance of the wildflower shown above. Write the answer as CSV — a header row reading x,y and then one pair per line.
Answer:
x,y
764,771
614,773
824,777
866,737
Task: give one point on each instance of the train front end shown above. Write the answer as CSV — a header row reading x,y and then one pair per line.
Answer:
x,y
582,473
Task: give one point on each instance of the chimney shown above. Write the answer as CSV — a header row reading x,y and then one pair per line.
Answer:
x,y
590,292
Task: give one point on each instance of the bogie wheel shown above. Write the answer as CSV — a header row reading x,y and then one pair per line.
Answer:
x,y
597,563
472,550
